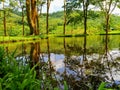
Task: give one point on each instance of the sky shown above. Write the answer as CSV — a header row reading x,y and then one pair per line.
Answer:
x,y
56,5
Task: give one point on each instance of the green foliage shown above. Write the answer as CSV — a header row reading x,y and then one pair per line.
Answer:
x,y
102,85
75,17
1,53
65,86
15,76
74,23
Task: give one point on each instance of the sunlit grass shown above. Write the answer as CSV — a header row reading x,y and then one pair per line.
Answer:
x,y
17,38
117,32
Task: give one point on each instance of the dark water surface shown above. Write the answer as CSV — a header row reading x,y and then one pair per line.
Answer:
x,y
83,62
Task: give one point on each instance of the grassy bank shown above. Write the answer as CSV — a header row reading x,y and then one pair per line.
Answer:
x,y
111,33
5,39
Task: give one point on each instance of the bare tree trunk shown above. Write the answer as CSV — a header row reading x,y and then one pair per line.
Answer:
x,y
5,23
4,20
47,23
85,9
37,22
23,20
64,27
31,10
34,15
28,10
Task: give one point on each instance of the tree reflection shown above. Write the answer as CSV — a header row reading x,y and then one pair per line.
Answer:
x,y
84,49
35,55
50,70
82,73
110,63
49,61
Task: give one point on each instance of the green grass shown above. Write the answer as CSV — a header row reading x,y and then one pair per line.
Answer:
x,y
111,33
18,38
95,25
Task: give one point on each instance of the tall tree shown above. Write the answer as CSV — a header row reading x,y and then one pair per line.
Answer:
x,y
85,10
4,16
40,4
4,20
22,6
107,7
32,13
76,5
47,16
64,27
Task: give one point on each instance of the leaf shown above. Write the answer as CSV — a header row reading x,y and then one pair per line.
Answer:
x,y
14,53
65,86
0,84
102,85
56,88
24,83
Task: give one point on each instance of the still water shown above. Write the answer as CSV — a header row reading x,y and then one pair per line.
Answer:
x,y
82,62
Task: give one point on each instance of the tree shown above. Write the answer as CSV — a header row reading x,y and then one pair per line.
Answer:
x,y
22,6
64,27
32,13
4,17
40,4
4,21
47,23
85,10
74,18
107,7
75,5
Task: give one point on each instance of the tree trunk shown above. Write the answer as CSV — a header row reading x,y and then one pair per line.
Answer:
x,y
23,20
4,20
85,8
37,17
47,16
47,23
31,10
64,27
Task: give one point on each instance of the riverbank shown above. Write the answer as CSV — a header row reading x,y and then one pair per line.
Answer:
x,y
6,39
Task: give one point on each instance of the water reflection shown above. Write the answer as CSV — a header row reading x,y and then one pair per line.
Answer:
x,y
110,63
35,56
76,62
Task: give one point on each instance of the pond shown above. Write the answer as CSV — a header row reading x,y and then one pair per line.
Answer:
x,y
82,62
